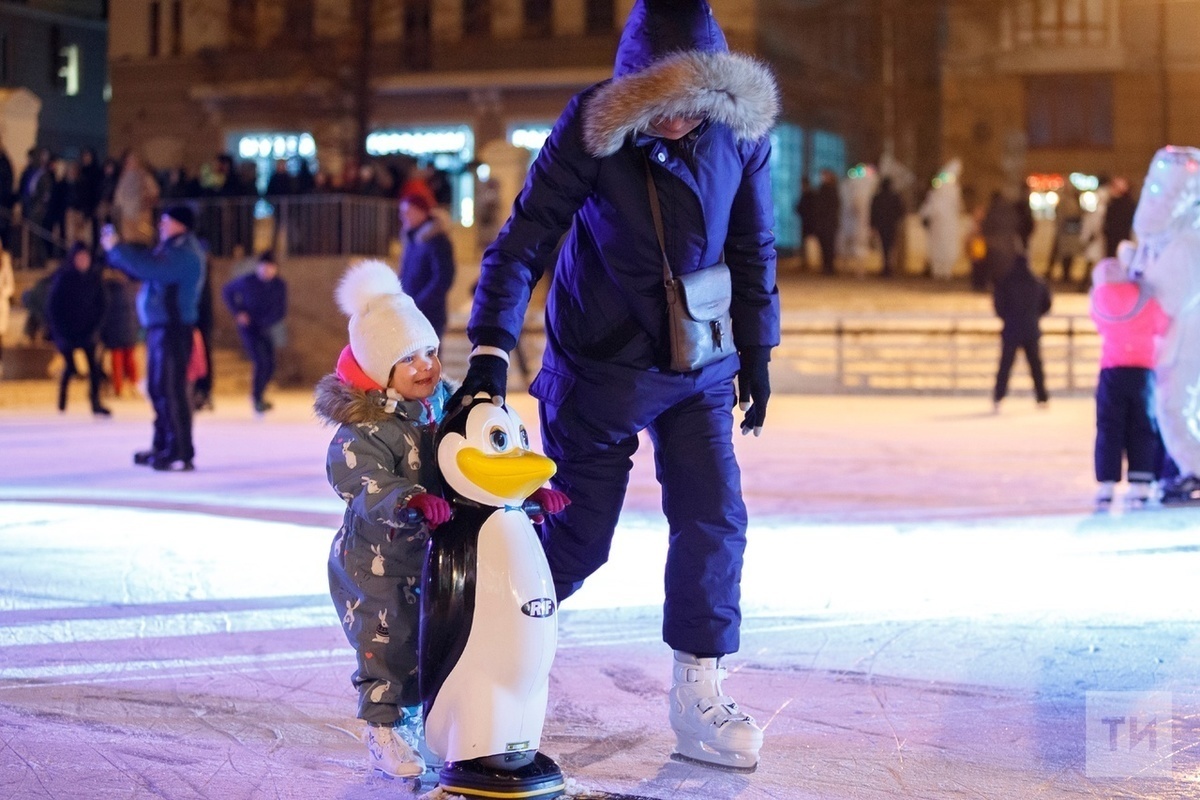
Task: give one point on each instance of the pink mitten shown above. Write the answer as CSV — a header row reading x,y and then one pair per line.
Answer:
x,y
434,509
552,501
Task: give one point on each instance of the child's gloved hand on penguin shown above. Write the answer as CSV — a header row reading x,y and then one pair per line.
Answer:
x,y
551,501
433,509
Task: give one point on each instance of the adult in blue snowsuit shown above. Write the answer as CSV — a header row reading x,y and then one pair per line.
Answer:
x,y
697,117
168,306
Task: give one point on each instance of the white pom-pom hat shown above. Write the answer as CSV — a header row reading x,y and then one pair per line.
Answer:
x,y
385,323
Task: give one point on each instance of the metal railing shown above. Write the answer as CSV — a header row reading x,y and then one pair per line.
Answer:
x,y
31,245
882,354
951,354
299,225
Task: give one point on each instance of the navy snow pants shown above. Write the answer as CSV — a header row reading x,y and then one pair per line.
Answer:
x,y
168,349
1126,425
592,436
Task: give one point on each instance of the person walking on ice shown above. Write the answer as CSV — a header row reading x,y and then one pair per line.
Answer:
x,y
1131,325
681,132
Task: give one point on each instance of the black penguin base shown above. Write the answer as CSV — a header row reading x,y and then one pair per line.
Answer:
x,y
539,779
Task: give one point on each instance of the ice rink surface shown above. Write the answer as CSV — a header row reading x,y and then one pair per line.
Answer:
x,y
931,611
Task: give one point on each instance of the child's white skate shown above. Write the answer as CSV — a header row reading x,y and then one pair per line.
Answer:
x,y
709,726
393,750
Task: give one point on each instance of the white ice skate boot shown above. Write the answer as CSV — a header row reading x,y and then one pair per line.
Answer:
x,y
393,749
709,726
1104,496
1138,496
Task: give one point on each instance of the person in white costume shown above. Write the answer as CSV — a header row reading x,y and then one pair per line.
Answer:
x,y
942,212
857,189
1168,256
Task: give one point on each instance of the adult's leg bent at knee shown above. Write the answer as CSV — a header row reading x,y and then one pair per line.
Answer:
x,y
594,475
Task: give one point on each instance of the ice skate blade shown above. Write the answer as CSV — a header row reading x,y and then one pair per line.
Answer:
x,y
681,758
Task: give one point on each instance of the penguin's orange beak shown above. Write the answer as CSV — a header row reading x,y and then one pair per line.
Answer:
x,y
512,476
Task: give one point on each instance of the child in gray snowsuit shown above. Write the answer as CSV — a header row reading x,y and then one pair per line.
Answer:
x,y
386,397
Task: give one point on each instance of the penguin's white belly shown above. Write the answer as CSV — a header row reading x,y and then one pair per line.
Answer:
x,y
494,700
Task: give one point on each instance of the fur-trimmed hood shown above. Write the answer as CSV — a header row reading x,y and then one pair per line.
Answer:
x,y
337,403
672,61
726,88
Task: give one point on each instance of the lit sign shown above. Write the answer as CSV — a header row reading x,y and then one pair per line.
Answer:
x,y
418,143
277,145
529,138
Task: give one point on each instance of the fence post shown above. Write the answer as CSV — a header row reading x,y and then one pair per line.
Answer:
x,y
954,356
1071,353
839,357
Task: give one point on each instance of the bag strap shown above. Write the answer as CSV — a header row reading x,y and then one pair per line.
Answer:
x,y
656,212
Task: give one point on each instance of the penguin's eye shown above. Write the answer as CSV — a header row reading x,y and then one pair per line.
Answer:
x,y
499,439
524,438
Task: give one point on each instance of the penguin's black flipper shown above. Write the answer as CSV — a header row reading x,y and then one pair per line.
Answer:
x,y
448,597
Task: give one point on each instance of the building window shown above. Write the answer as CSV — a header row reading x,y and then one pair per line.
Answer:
x,y
67,76
418,35
539,18
154,40
787,157
477,17
599,17
300,16
177,27
241,22
1060,22
1069,111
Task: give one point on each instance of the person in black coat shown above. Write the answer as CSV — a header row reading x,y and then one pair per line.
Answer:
x,y
427,265
1118,216
887,211
120,332
258,303
826,218
75,309
1021,299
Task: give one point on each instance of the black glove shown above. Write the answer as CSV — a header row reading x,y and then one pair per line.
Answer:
x,y
754,387
485,373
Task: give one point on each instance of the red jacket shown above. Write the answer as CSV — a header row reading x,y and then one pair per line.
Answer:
x,y
1130,324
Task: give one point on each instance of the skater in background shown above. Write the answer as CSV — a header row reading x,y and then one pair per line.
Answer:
x,y
1068,235
386,396
75,310
120,332
805,211
604,377
258,302
825,218
168,305
887,212
1131,325
427,264
201,390
1118,215
8,287
1021,299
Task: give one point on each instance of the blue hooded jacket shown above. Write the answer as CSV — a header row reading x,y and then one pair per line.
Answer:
x,y
171,274
606,309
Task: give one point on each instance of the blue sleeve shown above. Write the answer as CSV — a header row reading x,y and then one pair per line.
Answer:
x,y
560,180
168,266
750,253
232,294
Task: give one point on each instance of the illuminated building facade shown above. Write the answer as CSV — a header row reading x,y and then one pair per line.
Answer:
x,y
1035,90
449,80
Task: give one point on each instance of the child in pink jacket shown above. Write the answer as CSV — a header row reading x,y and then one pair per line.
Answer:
x,y
1131,324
